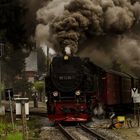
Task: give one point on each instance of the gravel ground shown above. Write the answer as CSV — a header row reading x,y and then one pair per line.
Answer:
x,y
79,134
110,135
129,134
97,126
124,133
51,133
48,132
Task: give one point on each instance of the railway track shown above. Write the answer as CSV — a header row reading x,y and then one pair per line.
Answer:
x,y
92,132
69,135
65,132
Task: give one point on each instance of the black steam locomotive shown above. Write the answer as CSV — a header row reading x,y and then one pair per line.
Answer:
x,y
70,88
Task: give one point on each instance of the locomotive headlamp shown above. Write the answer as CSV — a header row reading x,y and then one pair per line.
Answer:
x,y
66,57
77,92
55,93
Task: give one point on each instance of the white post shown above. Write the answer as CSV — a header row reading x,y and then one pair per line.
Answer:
x,y
136,100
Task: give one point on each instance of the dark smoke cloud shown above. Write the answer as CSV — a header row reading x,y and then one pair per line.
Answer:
x,y
30,18
95,26
84,18
124,49
45,16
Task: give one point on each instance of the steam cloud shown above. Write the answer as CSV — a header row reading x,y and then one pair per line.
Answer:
x,y
124,49
70,22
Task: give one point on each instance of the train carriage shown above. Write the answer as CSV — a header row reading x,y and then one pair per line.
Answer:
x,y
113,88
117,90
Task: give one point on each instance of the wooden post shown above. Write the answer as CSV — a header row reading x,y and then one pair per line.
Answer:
x,y
1,55
35,96
11,108
47,60
0,84
135,111
24,122
138,114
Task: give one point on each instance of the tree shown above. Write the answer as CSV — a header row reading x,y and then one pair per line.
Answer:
x,y
12,30
42,61
12,23
39,86
21,85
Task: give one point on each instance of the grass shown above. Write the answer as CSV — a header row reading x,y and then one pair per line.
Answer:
x,y
7,133
14,136
5,128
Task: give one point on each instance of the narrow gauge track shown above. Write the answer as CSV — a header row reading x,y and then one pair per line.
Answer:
x,y
69,136
92,132
65,132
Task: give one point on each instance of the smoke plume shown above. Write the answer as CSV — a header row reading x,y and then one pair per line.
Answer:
x,y
71,22
45,17
124,49
91,28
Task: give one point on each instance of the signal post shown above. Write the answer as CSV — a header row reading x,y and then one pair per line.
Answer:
x,y
2,108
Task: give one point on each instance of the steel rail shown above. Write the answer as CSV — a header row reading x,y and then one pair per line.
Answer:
x,y
92,132
65,132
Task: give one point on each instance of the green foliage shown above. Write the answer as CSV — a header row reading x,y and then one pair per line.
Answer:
x,y
13,32
13,64
39,86
14,136
2,87
7,131
2,128
22,85
5,128
11,23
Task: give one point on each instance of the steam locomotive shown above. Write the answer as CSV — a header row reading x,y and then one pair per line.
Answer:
x,y
75,87
70,89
